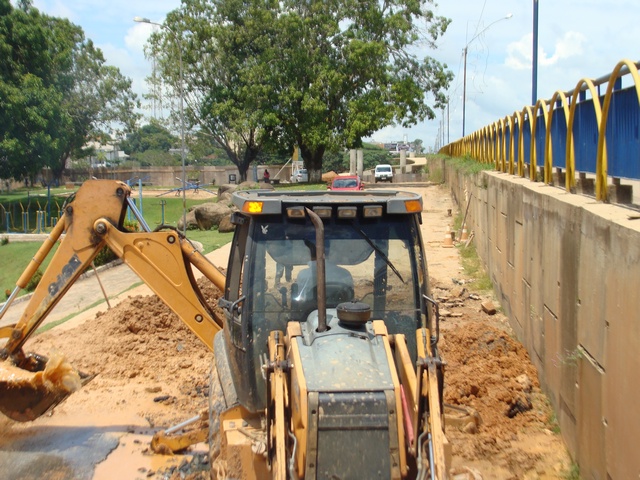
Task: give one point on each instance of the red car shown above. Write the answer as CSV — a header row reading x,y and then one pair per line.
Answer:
x,y
345,183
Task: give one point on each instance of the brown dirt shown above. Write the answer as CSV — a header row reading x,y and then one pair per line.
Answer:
x,y
149,365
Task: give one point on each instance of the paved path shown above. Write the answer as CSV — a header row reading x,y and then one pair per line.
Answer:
x,y
85,298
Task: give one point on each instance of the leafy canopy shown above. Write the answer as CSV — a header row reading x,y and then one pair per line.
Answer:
x,y
56,92
319,74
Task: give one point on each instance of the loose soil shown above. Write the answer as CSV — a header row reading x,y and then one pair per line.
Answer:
x,y
150,366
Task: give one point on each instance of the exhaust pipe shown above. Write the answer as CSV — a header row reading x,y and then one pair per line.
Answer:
x,y
320,270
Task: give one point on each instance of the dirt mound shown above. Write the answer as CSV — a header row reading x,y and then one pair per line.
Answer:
x,y
490,372
141,343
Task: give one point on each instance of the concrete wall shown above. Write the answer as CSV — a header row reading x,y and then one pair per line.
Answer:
x,y
171,176
566,270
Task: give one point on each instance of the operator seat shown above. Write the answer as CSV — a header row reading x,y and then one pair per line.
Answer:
x,y
304,291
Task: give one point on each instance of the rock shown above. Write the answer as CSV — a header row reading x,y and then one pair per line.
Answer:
x,y
520,405
525,382
197,245
488,307
185,364
473,296
225,225
210,214
458,291
226,190
192,224
470,427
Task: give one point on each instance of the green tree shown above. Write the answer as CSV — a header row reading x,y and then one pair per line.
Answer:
x,y
342,70
206,151
221,100
320,75
157,158
153,136
56,92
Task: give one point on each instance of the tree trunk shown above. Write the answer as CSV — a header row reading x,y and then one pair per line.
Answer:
x,y
312,157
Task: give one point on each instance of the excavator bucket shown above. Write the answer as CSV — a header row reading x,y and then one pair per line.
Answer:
x,y
26,394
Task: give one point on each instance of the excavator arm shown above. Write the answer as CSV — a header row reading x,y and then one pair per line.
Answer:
x,y
92,219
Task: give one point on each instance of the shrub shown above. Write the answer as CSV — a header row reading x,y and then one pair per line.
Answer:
x,y
35,280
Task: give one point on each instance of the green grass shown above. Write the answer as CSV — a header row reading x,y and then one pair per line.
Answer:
x,y
573,473
15,257
210,239
473,268
469,166
24,195
301,186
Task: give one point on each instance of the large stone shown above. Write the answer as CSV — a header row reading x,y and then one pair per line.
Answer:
x,y
225,192
192,223
210,214
225,225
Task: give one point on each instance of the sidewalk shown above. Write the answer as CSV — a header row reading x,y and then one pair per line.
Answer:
x,y
85,298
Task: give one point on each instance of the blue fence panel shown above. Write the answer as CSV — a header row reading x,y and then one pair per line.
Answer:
x,y
559,137
541,132
516,146
623,146
507,144
526,140
585,135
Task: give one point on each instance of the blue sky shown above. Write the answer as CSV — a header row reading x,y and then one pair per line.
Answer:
x,y
576,39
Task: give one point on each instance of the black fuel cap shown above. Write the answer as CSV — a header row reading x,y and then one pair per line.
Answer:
x,y
353,314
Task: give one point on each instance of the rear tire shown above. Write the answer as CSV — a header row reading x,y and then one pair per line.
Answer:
x,y
217,405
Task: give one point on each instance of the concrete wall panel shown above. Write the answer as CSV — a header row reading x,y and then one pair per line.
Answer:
x,y
622,333
590,428
568,271
594,254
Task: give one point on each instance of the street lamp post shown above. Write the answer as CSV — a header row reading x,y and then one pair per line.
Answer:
x,y
534,69
464,81
182,149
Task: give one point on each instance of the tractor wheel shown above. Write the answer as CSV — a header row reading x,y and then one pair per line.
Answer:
x,y
217,405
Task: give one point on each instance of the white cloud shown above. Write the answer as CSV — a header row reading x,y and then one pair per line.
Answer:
x,y
137,36
571,46
520,53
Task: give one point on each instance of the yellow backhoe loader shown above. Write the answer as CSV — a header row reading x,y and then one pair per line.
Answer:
x,y
326,361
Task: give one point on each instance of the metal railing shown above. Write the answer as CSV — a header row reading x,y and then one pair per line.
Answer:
x,y
581,130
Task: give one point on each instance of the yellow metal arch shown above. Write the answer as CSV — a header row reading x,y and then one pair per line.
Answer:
x,y
526,112
548,146
571,154
601,159
500,157
508,143
533,164
515,119
494,143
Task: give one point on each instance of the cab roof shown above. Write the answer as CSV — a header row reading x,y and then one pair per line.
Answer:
x,y
396,202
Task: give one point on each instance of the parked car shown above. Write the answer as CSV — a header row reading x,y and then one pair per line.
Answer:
x,y
383,173
300,176
346,182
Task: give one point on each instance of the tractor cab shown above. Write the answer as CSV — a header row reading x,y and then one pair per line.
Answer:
x,y
372,255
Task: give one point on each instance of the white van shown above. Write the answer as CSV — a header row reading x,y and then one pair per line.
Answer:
x,y
383,173
300,176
